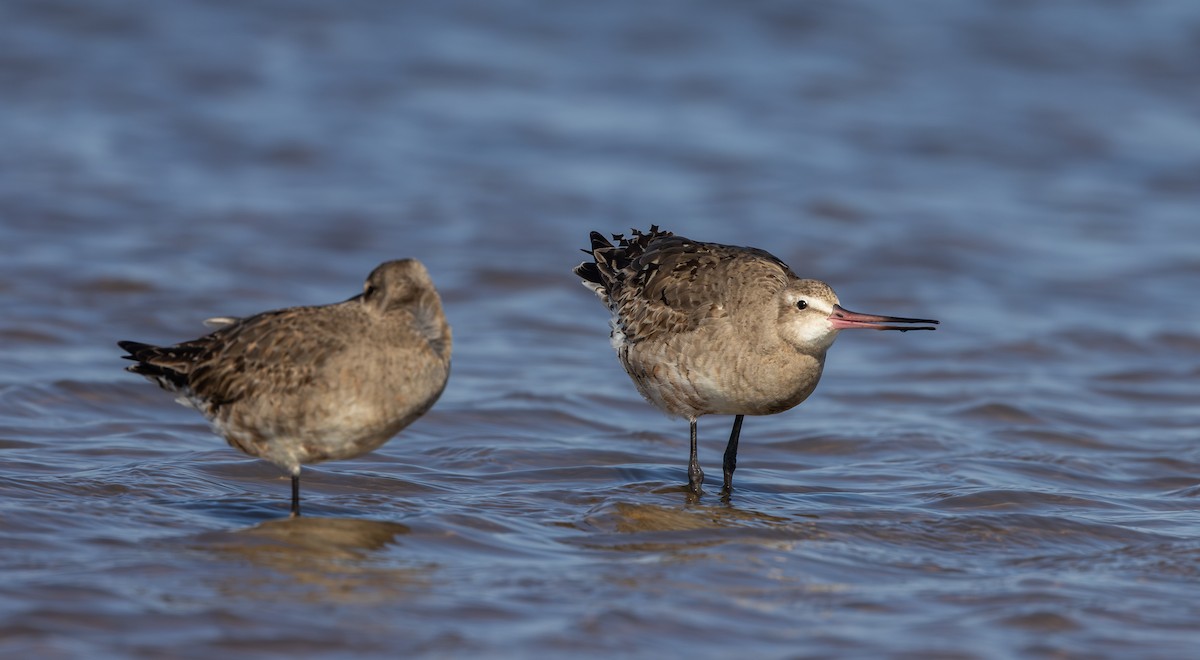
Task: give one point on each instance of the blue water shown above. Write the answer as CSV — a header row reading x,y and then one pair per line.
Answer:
x,y
1024,482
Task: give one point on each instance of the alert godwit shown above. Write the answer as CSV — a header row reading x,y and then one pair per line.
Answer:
x,y
709,329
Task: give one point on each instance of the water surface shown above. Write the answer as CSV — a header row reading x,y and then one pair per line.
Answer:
x,y
1022,483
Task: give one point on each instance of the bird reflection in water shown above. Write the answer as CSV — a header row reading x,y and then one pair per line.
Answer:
x,y
342,559
634,527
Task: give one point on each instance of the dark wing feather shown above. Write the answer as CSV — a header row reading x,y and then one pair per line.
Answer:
x,y
657,282
272,349
608,269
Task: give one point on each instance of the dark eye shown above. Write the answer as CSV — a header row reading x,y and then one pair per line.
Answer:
x,y
801,305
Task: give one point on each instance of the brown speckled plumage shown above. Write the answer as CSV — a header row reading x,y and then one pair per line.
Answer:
x,y
308,384
705,328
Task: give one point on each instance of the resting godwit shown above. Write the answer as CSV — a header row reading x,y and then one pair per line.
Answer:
x,y
308,384
709,329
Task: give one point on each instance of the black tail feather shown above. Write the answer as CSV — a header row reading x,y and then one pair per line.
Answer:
x,y
145,355
136,349
609,259
599,242
589,272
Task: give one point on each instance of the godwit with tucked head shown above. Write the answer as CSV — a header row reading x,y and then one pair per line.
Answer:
x,y
309,384
709,329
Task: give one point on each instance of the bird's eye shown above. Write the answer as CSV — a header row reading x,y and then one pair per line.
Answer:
x,y
800,304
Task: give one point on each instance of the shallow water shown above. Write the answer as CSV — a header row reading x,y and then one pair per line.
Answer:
x,y
1023,482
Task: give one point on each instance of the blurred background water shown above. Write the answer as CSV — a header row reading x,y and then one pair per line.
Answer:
x,y
1023,482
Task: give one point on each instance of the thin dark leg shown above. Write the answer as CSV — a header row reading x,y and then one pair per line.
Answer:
x,y
695,474
730,462
296,493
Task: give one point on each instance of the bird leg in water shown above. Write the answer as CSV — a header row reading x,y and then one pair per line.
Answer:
x,y
730,462
695,474
295,493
